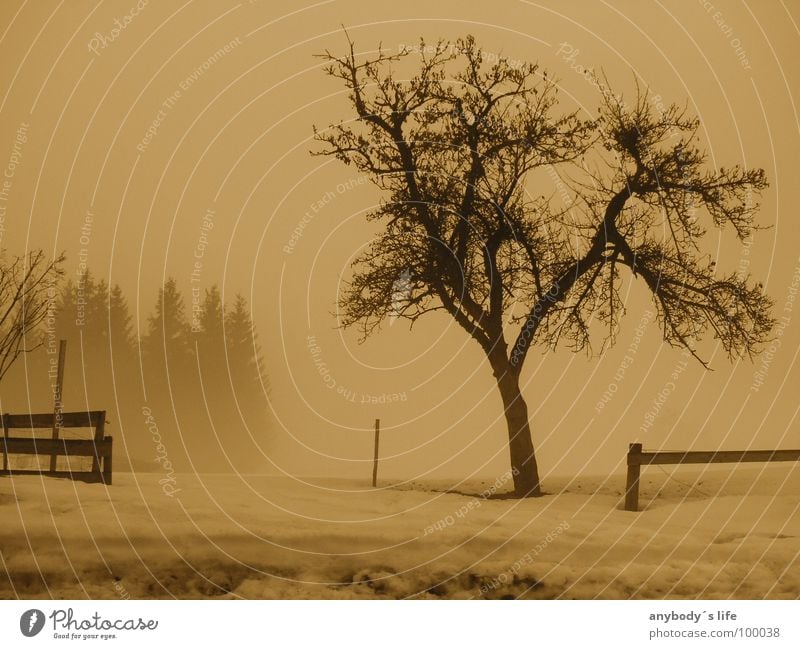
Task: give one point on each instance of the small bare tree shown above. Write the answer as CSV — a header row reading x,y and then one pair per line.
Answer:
x,y
456,146
28,287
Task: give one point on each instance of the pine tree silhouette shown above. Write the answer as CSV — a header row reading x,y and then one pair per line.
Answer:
x,y
211,338
121,337
248,382
205,388
244,351
166,345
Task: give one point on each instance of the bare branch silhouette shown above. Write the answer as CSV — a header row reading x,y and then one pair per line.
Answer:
x,y
456,144
27,289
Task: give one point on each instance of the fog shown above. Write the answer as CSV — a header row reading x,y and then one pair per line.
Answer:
x,y
179,146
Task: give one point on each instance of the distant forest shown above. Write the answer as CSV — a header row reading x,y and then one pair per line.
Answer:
x,y
189,394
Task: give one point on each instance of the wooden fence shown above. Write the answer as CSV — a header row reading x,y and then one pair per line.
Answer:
x,y
637,458
99,448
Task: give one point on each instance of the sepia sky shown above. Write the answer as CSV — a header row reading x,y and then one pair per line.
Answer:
x,y
178,145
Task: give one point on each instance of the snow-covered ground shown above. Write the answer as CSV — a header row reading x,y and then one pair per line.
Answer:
x,y
726,532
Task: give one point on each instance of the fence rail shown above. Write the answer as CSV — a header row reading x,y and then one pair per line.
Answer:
x,y
638,458
87,419
100,449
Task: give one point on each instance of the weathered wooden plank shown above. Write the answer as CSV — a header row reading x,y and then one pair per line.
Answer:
x,y
89,419
712,457
40,446
85,476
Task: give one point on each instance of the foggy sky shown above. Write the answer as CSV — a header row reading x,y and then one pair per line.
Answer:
x,y
179,146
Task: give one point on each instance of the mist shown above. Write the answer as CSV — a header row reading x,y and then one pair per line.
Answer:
x,y
179,147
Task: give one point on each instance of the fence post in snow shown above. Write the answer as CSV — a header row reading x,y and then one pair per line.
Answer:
x,y
375,459
58,396
5,442
632,483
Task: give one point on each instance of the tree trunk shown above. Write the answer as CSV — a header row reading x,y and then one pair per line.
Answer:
x,y
523,458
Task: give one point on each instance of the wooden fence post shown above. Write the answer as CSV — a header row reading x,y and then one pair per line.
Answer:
x,y
99,434
58,406
107,466
375,459
632,483
5,436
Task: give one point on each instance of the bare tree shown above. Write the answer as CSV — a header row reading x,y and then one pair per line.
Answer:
x,y
456,146
27,296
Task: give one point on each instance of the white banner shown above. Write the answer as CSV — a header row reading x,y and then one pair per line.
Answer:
x,y
389,624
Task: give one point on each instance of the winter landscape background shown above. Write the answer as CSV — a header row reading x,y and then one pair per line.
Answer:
x,y
166,148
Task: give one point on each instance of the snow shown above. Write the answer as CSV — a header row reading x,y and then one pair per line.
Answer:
x,y
704,533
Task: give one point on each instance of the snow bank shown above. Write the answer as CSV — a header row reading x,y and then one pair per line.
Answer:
x,y
731,532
